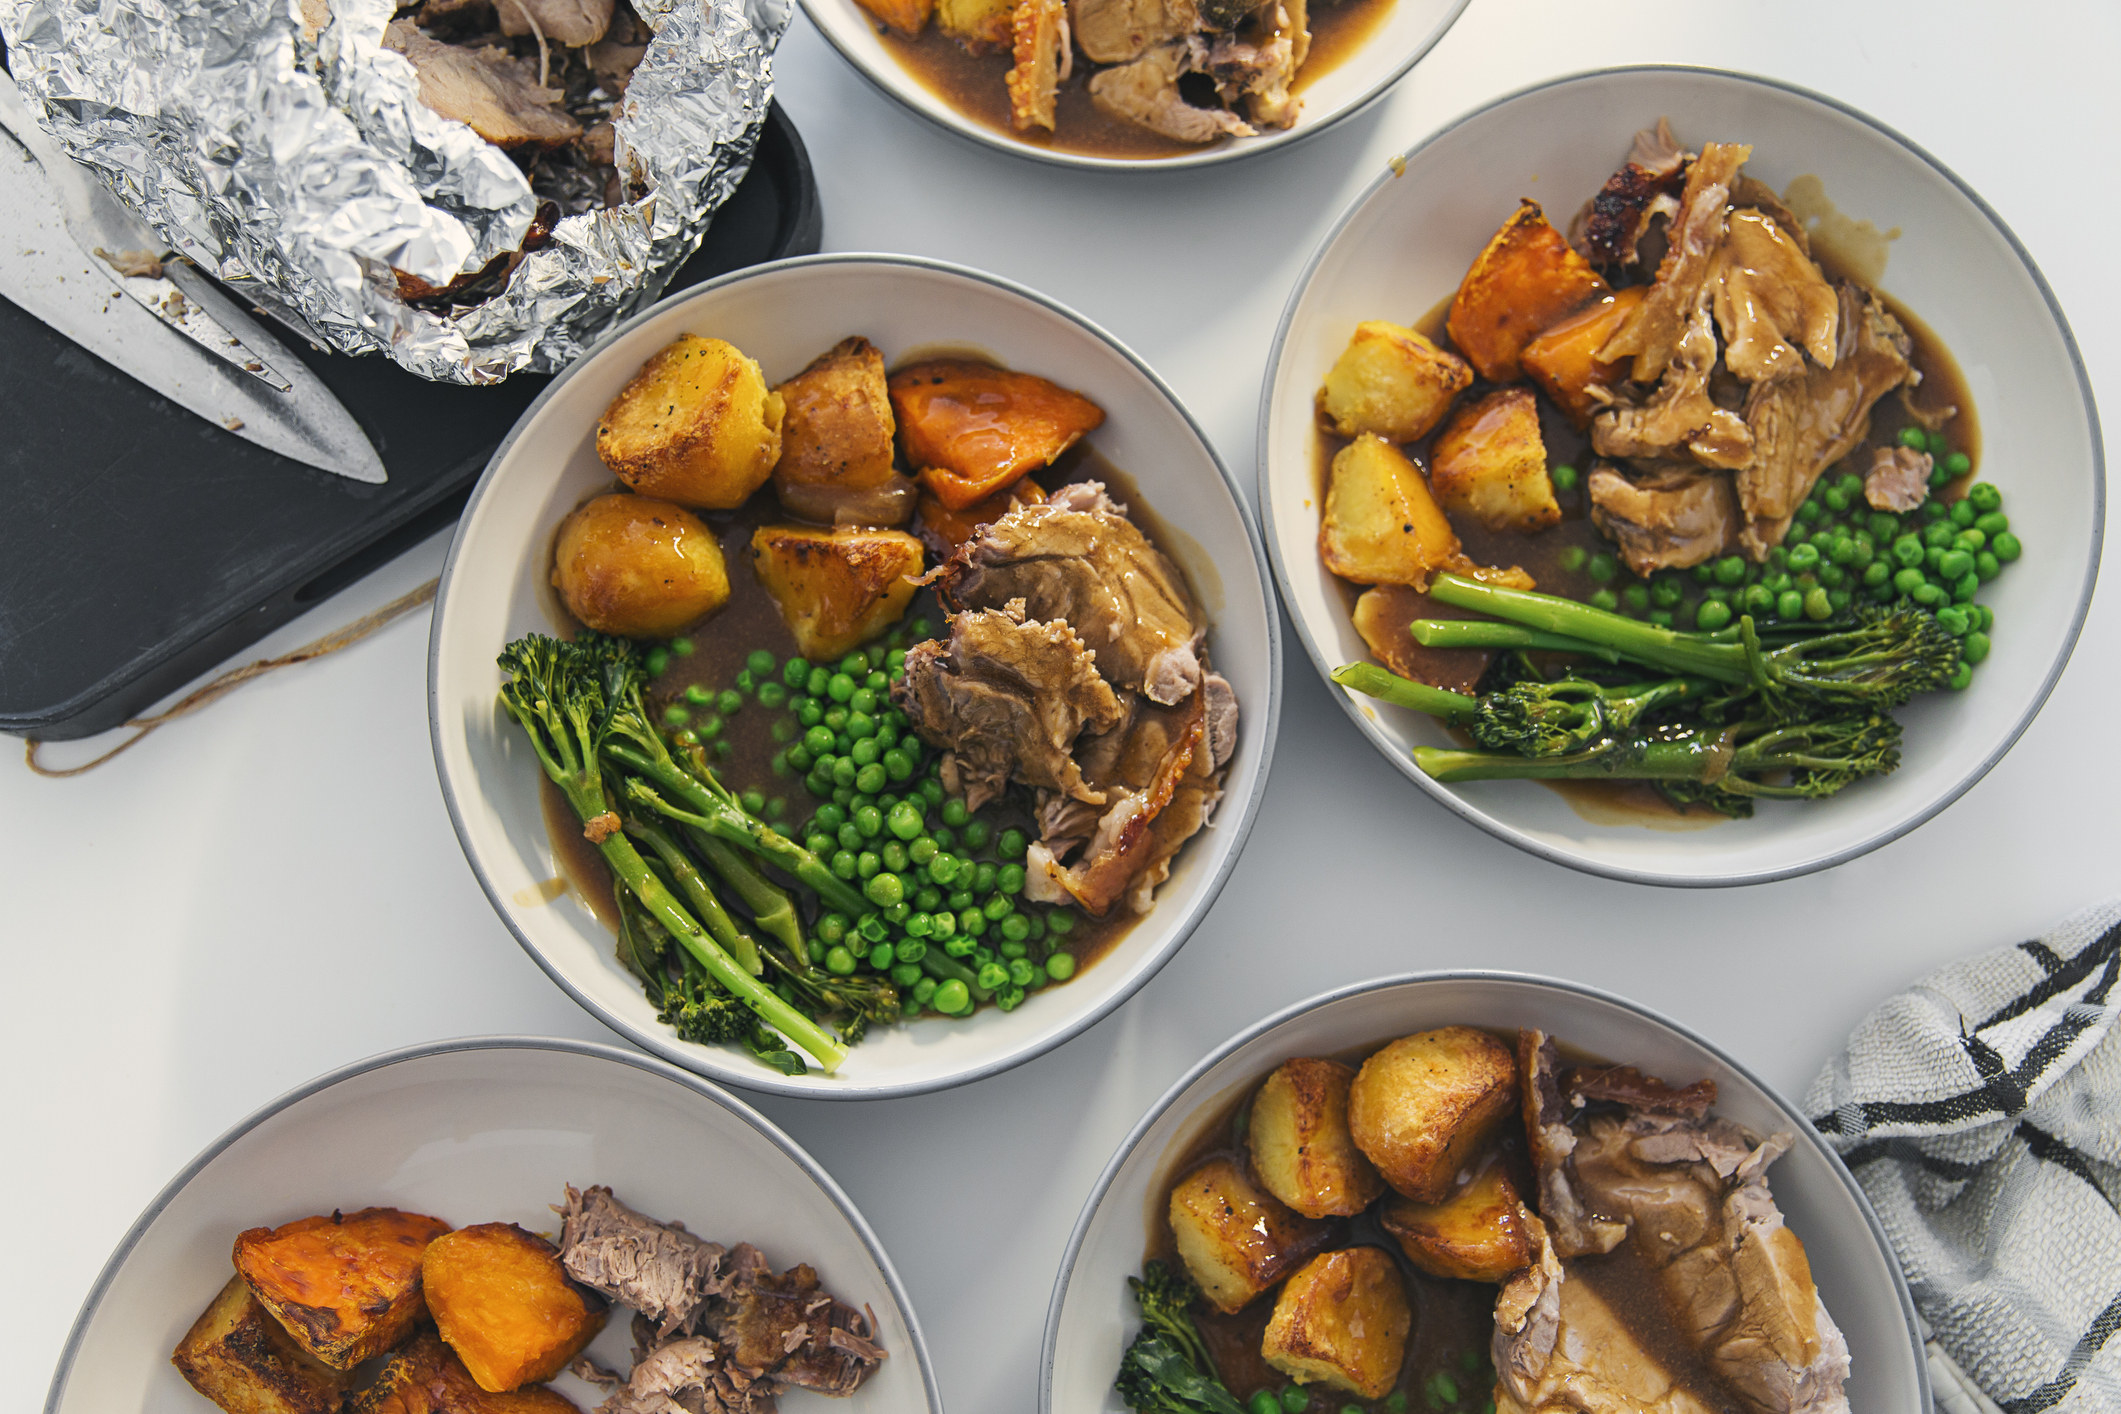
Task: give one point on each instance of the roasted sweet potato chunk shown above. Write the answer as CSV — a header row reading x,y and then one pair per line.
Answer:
x,y
424,1376
1479,1233
1525,281
942,530
697,425
245,1361
1301,1148
1564,358
1381,525
1491,464
1342,1322
837,588
1423,1106
1392,381
1236,1238
505,1305
345,1286
971,429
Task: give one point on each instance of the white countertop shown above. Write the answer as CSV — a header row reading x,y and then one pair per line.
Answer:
x,y
272,889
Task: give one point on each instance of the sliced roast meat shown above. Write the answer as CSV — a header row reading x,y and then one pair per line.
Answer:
x,y
1651,332
1899,479
496,94
685,1376
1680,418
659,1269
790,1325
1547,1116
1610,230
1116,31
1625,1085
1669,519
1255,74
1145,92
574,23
1770,301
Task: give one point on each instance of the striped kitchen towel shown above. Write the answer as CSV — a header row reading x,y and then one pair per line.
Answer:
x,y
1981,1111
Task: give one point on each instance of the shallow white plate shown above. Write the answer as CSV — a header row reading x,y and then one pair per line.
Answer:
x,y
1411,30
485,1130
784,315
1092,1317
1402,249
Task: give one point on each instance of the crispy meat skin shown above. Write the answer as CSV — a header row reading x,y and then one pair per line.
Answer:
x,y
488,89
1040,55
1651,332
1670,519
346,1286
1647,185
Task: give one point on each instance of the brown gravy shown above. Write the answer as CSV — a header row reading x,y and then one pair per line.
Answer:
x,y
973,83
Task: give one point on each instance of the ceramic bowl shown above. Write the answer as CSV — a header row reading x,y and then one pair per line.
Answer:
x,y
494,588
1408,30
486,1130
1402,249
1092,1317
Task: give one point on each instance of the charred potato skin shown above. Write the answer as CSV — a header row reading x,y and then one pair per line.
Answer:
x,y
1301,1149
506,1307
1525,280
345,1287
1235,1238
424,1376
1479,1233
1381,524
1423,1106
242,1359
1491,464
837,589
1342,1321
697,425
637,566
1390,380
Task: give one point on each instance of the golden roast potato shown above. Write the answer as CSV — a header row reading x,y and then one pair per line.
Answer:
x,y
1235,1238
242,1359
1491,464
837,588
1381,525
1342,1322
1479,1233
637,566
1422,1107
1301,1148
697,425
1392,381
345,1286
504,1304
836,442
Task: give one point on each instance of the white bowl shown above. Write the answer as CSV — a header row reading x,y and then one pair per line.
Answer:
x,y
1402,249
1410,30
783,315
1092,1317
484,1130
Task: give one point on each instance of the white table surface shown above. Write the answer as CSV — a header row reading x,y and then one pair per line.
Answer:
x,y
272,889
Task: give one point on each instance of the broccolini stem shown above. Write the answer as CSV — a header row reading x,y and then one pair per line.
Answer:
x,y
1453,707
1701,757
770,906
941,964
1483,633
1645,643
720,925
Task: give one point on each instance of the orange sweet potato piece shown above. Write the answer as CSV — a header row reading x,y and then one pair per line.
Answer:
x,y
504,1304
424,1376
1524,281
345,1286
942,529
1564,359
971,428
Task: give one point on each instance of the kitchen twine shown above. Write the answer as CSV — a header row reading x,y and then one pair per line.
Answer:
x,y
212,692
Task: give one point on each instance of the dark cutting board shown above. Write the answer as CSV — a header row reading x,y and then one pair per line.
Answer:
x,y
140,545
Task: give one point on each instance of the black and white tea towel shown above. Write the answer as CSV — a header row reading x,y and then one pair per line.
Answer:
x,y
1981,1111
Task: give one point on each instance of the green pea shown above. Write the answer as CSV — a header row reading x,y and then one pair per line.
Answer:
x,y
1564,477
1789,604
865,752
973,922
1930,596
1010,878
1759,599
773,695
1976,646
1295,1400
943,868
945,837
924,991
699,696
843,863
868,864
1933,509
658,661
855,664
1914,438
954,813
932,790
977,834
952,997
1016,928
867,820
905,821
1807,515
1712,616
1666,592
1662,618
1263,1402
1730,570
818,740
871,778
839,961
898,765
1833,576
1840,599
839,687
1605,599
961,899
1970,540
1836,500
1572,557
1817,605
1012,844
884,890
1992,524
795,673
1060,967
1908,550
1961,677
1952,619
709,727
997,907
753,801
809,712
2006,547
1396,1402
1987,566
1602,568
1954,563
1966,587
1963,513
1982,496
1804,559
675,715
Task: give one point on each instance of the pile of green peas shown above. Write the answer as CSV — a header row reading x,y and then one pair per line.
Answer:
x,y
1442,1390
947,923
1838,552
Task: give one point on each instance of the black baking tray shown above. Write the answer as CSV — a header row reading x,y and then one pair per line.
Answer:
x,y
140,545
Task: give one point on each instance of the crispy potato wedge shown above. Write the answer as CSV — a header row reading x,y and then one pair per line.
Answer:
x,y
637,566
1520,285
975,22
837,427
1424,1105
971,429
1491,464
424,1376
908,17
837,588
1479,1233
345,1286
697,425
1236,1238
1381,525
1564,358
242,1359
1342,1322
942,530
1300,1145
505,1305
1391,380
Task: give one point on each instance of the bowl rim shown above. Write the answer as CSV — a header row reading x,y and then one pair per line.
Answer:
x,y
1240,828
980,135
1805,1134
597,1051
1574,859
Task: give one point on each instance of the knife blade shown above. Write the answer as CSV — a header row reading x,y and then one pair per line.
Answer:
x,y
44,269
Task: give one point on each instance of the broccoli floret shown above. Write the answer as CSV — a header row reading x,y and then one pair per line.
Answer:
x,y
1167,1369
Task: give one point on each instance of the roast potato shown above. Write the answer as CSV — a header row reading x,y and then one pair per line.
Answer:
x,y
1424,1105
837,588
1381,525
345,1286
424,1376
1491,464
1564,359
1301,1148
1392,381
971,428
697,425
1341,1321
637,566
505,1305
245,1361
1479,1233
1236,1238
975,21
836,441
1526,280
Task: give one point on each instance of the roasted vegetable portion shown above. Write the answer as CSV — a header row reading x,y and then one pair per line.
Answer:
x,y
1490,463
637,566
346,1286
1478,1233
836,441
504,1304
1342,1322
242,1359
1381,524
971,429
1301,1148
697,425
1523,283
1422,1106
837,588
1391,381
1236,1238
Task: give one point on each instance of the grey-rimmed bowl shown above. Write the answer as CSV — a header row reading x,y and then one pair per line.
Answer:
x,y
494,588
1092,1317
482,1129
1366,75
1405,243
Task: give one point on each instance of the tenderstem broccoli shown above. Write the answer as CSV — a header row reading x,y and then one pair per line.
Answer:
x,y
1167,1369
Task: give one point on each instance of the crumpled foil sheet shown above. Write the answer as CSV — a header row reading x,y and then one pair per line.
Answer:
x,y
300,166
